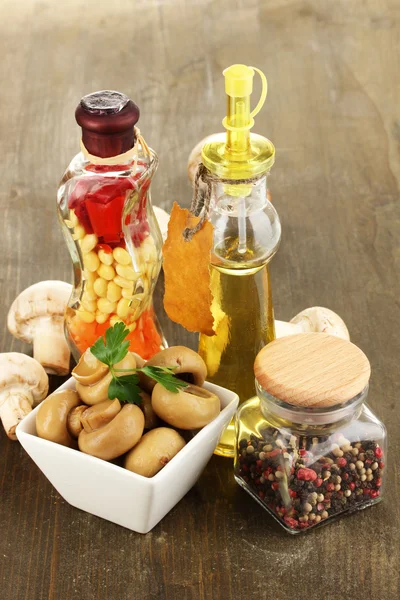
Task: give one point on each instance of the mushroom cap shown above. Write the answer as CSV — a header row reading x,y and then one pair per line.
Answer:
x,y
89,369
163,219
154,451
21,372
195,156
52,417
117,437
322,320
42,300
192,407
189,366
98,392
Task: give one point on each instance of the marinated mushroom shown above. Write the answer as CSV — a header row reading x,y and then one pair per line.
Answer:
x,y
99,415
117,437
23,384
89,369
190,408
52,417
37,317
98,392
154,451
189,366
151,420
140,362
74,424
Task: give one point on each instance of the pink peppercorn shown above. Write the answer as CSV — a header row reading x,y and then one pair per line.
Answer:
x,y
378,482
318,482
274,453
381,465
292,494
352,485
330,487
275,486
366,491
306,474
378,452
291,522
302,452
341,462
374,493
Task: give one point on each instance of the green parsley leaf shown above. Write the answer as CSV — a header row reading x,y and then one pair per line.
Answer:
x,y
115,348
165,376
99,350
126,389
112,350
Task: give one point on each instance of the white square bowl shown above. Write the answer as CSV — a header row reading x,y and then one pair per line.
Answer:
x,y
101,488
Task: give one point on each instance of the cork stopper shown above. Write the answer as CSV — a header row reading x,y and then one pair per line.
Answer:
x,y
312,370
107,119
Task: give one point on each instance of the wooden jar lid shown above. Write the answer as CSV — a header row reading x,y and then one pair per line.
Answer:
x,y
312,369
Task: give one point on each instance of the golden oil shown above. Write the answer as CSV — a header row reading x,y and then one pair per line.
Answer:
x,y
244,323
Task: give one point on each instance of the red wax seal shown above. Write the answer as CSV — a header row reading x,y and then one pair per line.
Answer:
x,y
107,119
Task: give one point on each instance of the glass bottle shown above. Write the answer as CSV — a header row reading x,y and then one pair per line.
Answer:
x,y
104,206
307,465
246,236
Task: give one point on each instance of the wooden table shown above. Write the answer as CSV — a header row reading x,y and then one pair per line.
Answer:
x,y
333,114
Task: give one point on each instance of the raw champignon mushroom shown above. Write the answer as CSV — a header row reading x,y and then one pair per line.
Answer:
x,y
37,317
23,384
163,219
315,319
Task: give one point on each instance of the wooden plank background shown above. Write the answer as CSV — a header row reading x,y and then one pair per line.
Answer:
x,y
333,113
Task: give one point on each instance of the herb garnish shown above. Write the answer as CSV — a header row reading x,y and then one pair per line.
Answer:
x,y
126,387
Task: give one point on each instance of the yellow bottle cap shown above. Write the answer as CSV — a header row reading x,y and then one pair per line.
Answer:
x,y
242,155
238,80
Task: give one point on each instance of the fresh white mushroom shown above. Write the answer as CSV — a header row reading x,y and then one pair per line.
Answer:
x,y
23,384
317,319
37,317
163,219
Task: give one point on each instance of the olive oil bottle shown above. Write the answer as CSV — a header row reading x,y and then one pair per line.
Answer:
x,y
246,236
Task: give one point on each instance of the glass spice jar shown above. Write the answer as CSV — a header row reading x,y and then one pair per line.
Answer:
x,y
308,448
112,234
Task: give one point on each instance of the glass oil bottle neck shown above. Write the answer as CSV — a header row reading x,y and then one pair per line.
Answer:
x,y
311,420
247,229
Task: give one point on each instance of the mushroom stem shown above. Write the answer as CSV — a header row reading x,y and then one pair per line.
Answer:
x,y
13,410
50,347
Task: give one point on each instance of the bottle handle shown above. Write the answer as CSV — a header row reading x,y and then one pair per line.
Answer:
x,y
264,91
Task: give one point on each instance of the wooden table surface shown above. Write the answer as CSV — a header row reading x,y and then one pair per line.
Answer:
x,y
333,113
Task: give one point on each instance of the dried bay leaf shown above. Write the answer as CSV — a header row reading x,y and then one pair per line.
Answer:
x,y
188,297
